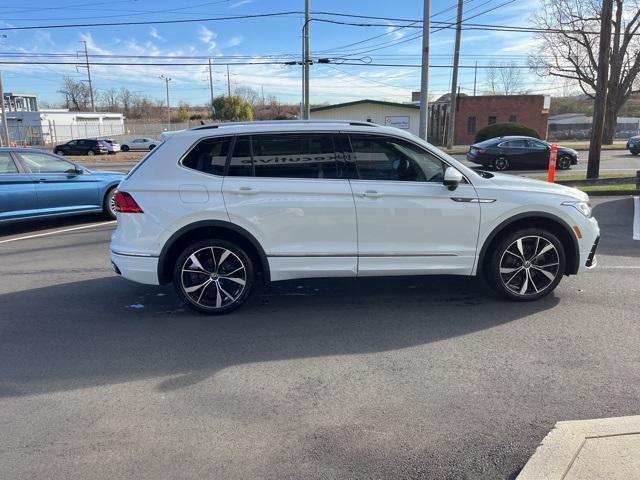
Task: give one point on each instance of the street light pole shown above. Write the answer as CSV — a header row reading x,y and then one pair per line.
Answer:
x,y
167,80
213,109
424,78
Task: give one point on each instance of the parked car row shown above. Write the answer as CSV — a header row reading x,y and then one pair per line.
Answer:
x,y
93,146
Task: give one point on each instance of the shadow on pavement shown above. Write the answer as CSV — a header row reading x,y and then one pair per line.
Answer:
x,y
33,227
108,330
615,218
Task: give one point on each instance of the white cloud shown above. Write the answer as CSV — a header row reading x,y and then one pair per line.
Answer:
x,y
153,31
207,37
234,41
241,2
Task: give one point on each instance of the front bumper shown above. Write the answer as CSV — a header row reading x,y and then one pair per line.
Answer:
x,y
588,244
141,269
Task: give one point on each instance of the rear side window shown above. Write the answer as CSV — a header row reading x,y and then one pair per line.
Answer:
x,y
209,156
285,156
514,144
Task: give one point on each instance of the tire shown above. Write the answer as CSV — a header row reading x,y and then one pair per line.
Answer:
x,y
564,162
634,152
59,152
202,287
501,164
124,148
517,272
109,205
151,147
91,153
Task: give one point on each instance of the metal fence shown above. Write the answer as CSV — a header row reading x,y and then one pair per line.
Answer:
x,y
53,133
582,131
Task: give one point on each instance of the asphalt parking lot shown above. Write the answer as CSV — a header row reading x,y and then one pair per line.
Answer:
x,y
431,378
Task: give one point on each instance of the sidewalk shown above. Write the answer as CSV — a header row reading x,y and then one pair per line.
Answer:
x,y
607,448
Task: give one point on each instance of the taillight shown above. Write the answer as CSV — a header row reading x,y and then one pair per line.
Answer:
x,y
125,203
482,150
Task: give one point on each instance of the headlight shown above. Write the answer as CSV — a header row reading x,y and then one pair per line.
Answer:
x,y
583,207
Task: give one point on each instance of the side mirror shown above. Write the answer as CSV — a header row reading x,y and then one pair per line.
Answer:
x,y
452,178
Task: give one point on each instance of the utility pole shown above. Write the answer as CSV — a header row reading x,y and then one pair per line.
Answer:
x,y
167,80
454,78
424,76
305,60
262,88
228,82
5,127
600,102
86,58
213,109
475,78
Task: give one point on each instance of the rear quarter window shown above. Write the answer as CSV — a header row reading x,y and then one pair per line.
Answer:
x,y
209,156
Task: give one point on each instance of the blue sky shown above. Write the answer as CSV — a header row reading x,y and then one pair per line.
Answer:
x,y
254,38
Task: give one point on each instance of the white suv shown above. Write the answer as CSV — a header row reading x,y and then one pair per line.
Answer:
x,y
216,207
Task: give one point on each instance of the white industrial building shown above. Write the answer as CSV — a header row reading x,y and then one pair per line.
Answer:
x,y
29,125
400,115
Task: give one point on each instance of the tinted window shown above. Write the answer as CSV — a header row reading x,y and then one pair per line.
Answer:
x,y
285,156
294,156
241,164
536,144
514,144
43,163
209,156
382,158
7,164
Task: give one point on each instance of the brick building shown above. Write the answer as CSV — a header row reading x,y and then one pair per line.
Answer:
x,y
476,112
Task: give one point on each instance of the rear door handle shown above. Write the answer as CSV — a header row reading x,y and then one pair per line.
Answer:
x,y
371,194
245,191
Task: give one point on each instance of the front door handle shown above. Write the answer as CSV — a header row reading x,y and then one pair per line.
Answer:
x,y
370,194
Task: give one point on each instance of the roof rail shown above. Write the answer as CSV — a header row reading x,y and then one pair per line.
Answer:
x,y
286,122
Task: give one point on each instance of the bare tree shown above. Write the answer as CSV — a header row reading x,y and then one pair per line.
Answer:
x,y
110,100
249,94
504,78
76,94
571,52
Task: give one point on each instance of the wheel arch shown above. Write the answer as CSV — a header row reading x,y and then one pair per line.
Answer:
x,y
551,222
211,229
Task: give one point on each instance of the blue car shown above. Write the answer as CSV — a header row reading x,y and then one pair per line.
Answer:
x,y
37,184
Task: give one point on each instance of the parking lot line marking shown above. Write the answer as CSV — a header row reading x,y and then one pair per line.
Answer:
x,y
55,232
636,218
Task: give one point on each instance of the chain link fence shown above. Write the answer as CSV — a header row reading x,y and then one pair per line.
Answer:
x,y
53,133
582,131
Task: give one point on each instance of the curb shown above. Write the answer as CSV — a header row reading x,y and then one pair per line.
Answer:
x,y
587,449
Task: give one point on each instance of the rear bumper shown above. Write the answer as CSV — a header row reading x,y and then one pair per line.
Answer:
x,y
141,269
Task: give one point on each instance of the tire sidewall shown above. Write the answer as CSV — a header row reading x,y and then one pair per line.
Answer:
x,y
107,204
177,276
124,148
151,147
492,268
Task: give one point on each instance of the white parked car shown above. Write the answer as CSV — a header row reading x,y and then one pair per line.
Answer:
x,y
112,145
216,207
139,144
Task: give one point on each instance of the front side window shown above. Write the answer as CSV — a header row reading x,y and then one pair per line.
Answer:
x,y
285,155
7,165
209,156
384,158
514,144
43,163
537,144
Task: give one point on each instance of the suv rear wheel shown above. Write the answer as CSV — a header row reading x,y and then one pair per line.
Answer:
x,y
213,276
526,265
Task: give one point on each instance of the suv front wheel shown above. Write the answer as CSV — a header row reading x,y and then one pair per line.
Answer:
x,y
213,276
526,265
